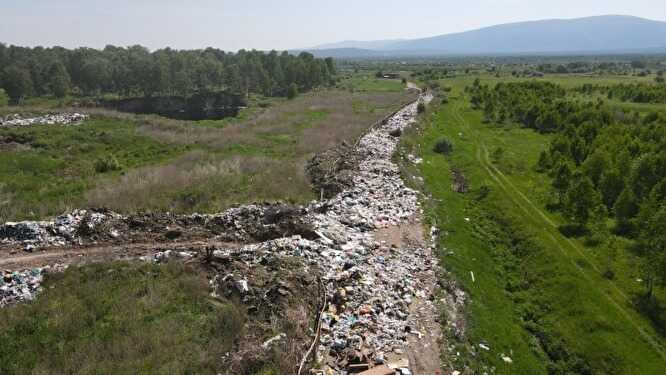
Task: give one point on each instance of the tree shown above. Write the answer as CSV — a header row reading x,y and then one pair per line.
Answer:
x,y
580,199
59,81
562,180
611,185
95,74
292,92
595,165
17,83
625,209
653,243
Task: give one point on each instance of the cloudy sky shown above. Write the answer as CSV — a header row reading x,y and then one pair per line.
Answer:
x,y
275,24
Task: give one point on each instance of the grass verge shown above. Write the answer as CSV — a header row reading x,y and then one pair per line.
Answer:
x,y
535,296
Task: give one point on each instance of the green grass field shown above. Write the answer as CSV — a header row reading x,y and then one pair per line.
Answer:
x,y
120,318
536,294
46,169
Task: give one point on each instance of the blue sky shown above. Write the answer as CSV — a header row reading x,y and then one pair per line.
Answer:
x,y
278,24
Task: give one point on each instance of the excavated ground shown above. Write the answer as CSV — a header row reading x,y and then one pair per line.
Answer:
x,y
363,248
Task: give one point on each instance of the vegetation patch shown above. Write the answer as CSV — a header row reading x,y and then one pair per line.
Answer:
x,y
534,293
119,318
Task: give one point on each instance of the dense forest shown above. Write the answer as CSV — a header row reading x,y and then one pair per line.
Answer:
x,y
604,163
135,71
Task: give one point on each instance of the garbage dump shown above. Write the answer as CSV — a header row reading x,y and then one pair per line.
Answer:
x,y
49,119
369,284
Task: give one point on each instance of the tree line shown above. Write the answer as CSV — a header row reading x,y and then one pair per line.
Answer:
x,y
604,163
635,92
136,71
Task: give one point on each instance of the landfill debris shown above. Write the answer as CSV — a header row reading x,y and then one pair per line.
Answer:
x,y
49,119
267,344
63,230
23,286
414,160
507,359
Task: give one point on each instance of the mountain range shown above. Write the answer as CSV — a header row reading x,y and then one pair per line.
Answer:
x,y
599,34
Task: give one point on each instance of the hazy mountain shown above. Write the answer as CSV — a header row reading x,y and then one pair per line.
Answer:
x,y
581,35
357,44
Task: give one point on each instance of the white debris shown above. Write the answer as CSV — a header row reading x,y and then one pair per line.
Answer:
x,y
267,344
50,119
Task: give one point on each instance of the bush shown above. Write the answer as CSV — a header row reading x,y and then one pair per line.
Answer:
x,y
443,146
4,99
421,108
108,164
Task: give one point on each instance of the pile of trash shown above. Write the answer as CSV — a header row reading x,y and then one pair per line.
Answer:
x,y
63,230
370,285
23,286
50,119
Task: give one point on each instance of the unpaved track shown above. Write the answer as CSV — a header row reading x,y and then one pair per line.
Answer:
x,y
104,252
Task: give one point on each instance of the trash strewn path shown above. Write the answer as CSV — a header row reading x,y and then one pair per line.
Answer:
x,y
367,242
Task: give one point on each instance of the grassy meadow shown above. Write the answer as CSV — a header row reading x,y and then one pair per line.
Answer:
x,y
536,295
147,163
120,318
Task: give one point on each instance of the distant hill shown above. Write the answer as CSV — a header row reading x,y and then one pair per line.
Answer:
x,y
600,34
356,44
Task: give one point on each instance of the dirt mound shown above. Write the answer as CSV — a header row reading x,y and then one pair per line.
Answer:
x,y
281,297
332,171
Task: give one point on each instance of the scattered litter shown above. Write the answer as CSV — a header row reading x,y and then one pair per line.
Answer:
x,y
507,359
50,119
267,344
472,274
484,347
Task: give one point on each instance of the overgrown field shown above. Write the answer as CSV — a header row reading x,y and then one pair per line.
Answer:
x,y
141,163
120,318
538,297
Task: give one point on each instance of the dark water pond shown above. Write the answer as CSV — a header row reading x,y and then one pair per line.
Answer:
x,y
202,106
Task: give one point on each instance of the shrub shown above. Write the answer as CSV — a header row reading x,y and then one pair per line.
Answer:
x,y
443,146
421,108
107,164
4,99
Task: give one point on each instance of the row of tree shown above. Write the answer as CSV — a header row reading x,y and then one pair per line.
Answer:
x,y
604,162
636,92
135,71
535,104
